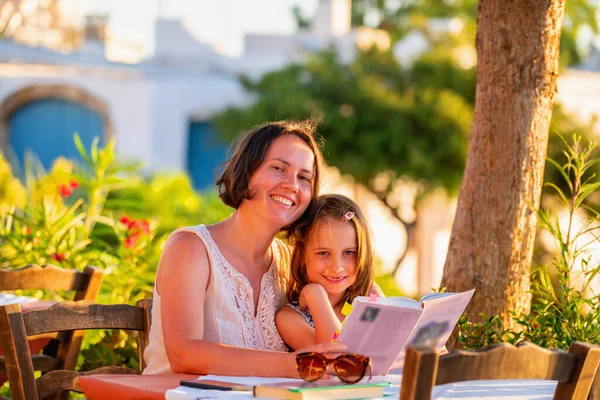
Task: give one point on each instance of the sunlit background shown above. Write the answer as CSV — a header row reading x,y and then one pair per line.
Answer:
x,y
153,74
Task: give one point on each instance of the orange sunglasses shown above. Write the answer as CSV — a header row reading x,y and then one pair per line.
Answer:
x,y
350,368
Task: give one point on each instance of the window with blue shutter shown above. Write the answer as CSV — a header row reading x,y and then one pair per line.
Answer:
x,y
205,153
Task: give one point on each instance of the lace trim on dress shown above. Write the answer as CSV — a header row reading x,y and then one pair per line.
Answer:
x,y
237,287
265,335
267,309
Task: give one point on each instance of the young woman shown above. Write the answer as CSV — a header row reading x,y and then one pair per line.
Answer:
x,y
218,287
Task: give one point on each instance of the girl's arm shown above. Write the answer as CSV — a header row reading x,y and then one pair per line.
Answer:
x,y
182,279
315,297
294,329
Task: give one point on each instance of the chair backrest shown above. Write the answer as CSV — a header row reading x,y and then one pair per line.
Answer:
x,y
17,326
85,285
574,370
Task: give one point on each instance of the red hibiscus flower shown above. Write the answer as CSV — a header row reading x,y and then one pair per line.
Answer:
x,y
131,241
66,189
60,257
125,220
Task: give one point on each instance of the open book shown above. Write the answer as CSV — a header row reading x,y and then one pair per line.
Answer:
x,y
383,329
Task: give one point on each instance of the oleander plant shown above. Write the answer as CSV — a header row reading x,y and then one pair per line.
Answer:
x,y
102,212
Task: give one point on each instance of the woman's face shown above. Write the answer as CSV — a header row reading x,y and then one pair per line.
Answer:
x,y
282,186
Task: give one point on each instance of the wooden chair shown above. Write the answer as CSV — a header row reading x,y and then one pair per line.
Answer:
x,y
574,370
62,352
16,326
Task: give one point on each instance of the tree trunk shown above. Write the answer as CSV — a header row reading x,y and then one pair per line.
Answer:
x,y
491,245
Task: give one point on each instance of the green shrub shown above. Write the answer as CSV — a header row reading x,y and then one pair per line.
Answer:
x,y
102,213
564,306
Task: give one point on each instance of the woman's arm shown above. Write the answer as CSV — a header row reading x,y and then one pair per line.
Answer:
x,y
182,279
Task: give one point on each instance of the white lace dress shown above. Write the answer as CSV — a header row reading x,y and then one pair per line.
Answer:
x,y
229,308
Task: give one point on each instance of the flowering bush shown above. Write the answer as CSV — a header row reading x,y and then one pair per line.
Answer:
x,y
101,213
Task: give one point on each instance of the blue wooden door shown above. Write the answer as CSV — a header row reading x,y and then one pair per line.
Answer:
x,y
205,152
46,128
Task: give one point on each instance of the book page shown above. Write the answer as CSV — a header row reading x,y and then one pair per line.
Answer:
x,y
378,331
395,301
440,315
435,295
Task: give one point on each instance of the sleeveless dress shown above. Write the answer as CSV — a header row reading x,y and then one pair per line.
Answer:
x,y
228,306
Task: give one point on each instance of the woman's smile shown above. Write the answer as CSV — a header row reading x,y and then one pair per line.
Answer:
x,y
283,200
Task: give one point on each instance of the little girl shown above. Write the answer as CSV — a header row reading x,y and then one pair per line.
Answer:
x,y
332,263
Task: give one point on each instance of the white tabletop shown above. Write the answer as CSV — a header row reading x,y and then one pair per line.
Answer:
x,y
10,298
497,390
489,390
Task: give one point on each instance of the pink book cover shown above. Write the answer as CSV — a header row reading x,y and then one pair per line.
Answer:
x,y
382,329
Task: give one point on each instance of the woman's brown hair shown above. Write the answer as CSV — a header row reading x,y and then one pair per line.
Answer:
x,y
250,151
333,207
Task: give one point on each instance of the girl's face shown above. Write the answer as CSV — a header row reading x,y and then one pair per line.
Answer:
x,y
283,185
330,258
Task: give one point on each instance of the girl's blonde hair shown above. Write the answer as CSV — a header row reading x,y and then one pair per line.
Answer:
x,y
334,207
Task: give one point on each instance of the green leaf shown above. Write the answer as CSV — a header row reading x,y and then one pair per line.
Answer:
x,y
81,149
561,170
585,192
558,191
94,150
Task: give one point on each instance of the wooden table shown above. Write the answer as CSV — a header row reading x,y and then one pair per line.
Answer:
x,y
130,387
161,387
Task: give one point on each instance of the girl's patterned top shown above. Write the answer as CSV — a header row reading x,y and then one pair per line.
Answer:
x,y
305,313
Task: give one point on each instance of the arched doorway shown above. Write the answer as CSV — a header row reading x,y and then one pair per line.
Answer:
x,y
43,120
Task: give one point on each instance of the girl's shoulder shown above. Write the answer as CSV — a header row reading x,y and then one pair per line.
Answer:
x,y
295,305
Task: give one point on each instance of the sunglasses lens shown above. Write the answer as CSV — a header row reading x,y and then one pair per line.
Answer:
x,y
312,367
350,369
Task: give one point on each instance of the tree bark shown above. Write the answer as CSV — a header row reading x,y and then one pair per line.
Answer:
x,y
491,245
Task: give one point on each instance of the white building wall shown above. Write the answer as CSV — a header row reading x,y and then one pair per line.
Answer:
x,y
177,102
128,101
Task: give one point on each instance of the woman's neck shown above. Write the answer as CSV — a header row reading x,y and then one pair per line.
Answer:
x,y
244,226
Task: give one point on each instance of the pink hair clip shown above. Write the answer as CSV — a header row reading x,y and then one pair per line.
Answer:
x,y
348,216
